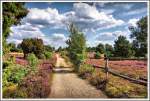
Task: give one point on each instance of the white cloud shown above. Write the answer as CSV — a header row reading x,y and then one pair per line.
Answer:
x,y
110,36
134,12
57,40
85,16
24,31
58,36
44,17
125,6
108,11
90,18
133,22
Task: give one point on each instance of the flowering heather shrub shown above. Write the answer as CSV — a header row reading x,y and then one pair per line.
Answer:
x,y
21,61
133,68
37,85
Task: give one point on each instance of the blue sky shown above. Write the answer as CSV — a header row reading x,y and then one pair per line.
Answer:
x,y
101,22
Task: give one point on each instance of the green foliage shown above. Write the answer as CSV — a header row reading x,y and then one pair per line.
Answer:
x,y
122,47
13,48
85,70
48,55
76,46
139,34
91,49
6,64
48,48
33,61
13,12
13,74
109,50
97,55
100,48
33,45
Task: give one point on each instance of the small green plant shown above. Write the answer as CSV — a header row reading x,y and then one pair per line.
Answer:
x,y
98,55
32,60
48,55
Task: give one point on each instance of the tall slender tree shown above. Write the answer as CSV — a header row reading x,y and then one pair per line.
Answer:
x,y
76,46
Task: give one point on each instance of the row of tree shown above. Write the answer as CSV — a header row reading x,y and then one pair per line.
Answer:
x,y
122,47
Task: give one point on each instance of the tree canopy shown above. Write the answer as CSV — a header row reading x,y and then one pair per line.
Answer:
x,y
12,14
34,45
139,36
122,47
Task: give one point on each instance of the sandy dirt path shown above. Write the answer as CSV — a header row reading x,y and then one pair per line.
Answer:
x,y
67,84
60,62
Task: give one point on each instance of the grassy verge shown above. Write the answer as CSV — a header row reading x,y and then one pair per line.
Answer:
x,y
114,87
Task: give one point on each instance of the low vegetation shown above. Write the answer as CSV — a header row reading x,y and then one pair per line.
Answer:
x,y
85,70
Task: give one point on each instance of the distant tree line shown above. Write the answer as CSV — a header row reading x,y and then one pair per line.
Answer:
x,y
122,47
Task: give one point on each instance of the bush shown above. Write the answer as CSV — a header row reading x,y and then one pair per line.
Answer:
x,y
6,64
117,91
98,79
32,60
98,55
36,85
85,70
14,74
48,55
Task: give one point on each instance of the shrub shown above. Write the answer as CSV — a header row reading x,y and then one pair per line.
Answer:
x,y
85,70
98,79
36,85
6,64
14,74
8,92
48,55
13,91
98,55
117,91
32,60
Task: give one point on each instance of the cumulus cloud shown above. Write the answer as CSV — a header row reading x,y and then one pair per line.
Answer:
x,y
58,39
44,17
110,36
24,31
126,6
84,15
133,22
134,12
88,18
108,11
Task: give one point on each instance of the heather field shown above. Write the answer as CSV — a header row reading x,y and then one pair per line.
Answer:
x,y
132,68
